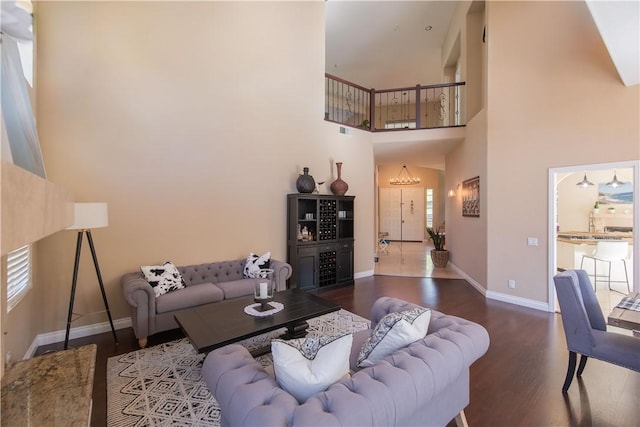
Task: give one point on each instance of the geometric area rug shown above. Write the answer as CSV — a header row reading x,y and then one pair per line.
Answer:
x,y
162,385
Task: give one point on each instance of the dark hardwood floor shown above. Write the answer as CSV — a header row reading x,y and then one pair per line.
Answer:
x,y
517,383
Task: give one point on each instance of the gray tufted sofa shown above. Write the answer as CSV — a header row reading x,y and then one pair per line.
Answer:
x,y
205,283
423,384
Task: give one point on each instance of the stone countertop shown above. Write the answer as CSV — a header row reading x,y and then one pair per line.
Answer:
x,y
52,389
586,238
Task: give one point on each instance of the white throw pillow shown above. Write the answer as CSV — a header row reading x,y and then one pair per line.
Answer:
x,y
306,366
255,263
163,278
394,331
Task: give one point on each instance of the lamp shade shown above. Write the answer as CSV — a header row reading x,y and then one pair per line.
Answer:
x,y
90,215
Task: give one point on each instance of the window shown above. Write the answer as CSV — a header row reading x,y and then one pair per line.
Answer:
x,y
429,210
18,275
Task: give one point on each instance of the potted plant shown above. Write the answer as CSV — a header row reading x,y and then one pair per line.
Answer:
x,y
439,255
596,207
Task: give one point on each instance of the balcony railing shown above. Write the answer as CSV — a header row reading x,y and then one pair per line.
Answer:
x,y
418,107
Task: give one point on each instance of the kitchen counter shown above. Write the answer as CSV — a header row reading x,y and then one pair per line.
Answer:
x,y
50,390
573,245
586,238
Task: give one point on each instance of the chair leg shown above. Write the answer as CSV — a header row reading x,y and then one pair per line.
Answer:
x,y
571,369
595,273
461,420
583,363
626,275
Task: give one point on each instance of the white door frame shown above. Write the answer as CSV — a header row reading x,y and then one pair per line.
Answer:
x,y
551,263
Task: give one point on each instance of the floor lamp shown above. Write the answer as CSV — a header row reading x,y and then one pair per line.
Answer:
x,y
87,217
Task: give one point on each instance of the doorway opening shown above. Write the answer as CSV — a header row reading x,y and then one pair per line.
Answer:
x,y
577,224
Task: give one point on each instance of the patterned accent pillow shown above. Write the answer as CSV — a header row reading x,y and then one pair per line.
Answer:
x,y
255,263
394,331
163,278
306,366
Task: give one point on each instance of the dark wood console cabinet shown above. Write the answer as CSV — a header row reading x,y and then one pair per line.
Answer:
x,y
320,240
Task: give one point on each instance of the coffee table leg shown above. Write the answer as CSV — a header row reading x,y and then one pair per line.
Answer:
x,y
296,330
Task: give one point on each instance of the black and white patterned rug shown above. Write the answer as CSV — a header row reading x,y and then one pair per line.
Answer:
x,y
162,385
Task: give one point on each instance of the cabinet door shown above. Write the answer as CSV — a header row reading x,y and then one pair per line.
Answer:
x,y
306,268
345,262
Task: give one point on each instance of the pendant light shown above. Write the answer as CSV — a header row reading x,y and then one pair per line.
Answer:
x,y
585,183
614,182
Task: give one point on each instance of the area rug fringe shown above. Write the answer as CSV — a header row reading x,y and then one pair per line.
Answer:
x,y
162,385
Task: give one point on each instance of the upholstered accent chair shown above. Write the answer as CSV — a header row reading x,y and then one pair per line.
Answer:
x,y
586,330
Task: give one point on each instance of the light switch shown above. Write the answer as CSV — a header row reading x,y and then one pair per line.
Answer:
x,y
532,241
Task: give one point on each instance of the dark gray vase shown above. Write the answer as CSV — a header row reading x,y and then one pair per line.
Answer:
x,y
305,182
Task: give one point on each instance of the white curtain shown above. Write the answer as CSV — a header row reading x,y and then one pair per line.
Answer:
x,y
17,114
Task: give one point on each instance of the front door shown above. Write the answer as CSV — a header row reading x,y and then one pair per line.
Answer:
x,y
413,214
402,213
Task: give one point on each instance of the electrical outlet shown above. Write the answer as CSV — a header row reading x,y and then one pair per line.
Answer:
x,y
512,284
532,241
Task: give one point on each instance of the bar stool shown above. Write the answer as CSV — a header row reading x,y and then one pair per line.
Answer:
x,y
609,251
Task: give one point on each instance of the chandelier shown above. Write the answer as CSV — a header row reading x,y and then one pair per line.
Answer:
x,y
404,180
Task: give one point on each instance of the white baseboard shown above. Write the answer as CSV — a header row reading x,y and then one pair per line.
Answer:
x,y
524,302
362,274
79,332
498,296
468,278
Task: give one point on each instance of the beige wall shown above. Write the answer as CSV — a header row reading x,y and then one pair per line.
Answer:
x,y
467,236
193,122
546,90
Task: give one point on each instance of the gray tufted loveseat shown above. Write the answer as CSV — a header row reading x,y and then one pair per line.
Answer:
x,y
423,384
205,283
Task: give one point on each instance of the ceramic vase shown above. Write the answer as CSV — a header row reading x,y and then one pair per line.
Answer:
x,y
305,182
339,187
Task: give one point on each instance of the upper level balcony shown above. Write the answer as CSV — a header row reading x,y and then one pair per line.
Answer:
x,y
417,107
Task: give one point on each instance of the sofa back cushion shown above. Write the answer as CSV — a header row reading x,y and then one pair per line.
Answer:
x,y
191,296
213,272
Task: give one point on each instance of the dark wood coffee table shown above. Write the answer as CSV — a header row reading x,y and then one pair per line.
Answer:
x,y
215,325
627,319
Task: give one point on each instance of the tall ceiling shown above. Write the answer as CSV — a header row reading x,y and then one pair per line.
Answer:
x,y
390,44
386,44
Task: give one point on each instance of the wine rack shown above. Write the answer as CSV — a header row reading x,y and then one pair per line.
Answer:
x,y
327,268
320,231
328,223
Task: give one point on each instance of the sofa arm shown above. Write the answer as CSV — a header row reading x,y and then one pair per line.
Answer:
x,y
281,272
141,297
247,395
